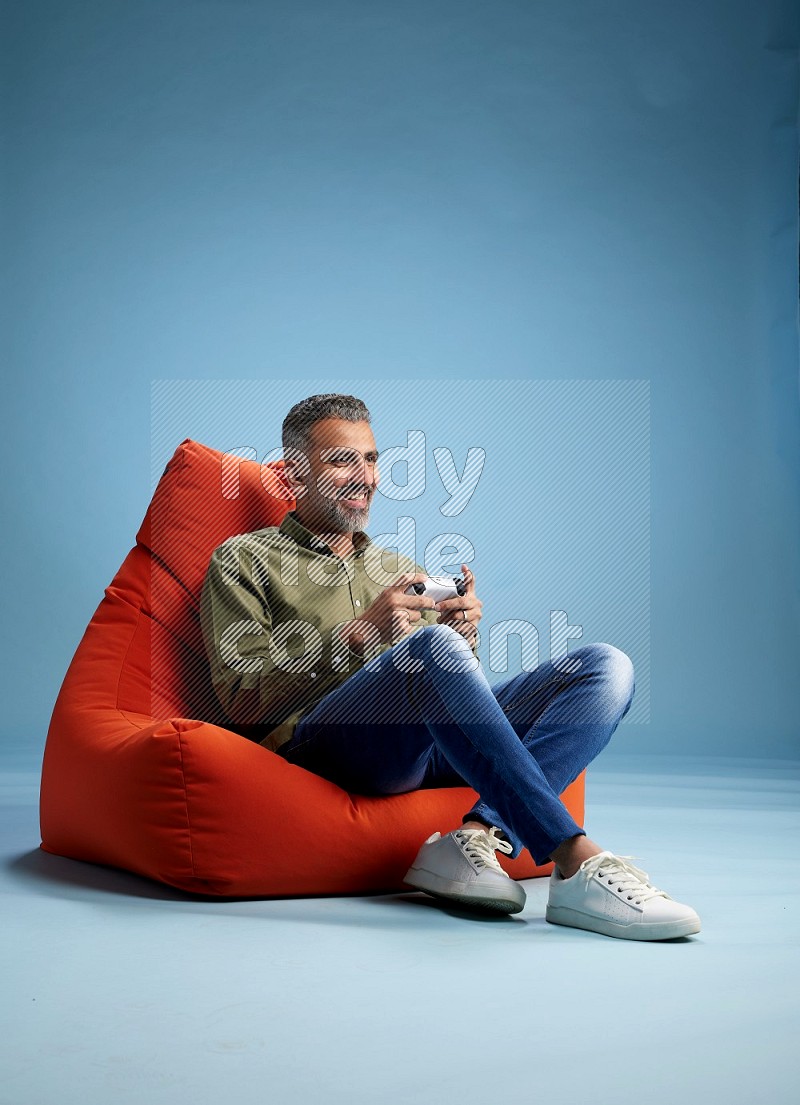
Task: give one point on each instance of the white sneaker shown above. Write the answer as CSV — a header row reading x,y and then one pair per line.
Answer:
x,y
608,894
463,867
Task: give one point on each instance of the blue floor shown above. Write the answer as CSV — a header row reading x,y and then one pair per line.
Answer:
x,y
118,990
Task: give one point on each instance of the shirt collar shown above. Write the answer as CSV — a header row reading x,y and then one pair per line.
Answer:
x,y
298,532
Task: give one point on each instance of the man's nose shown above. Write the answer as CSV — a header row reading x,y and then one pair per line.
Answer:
x,y
368,474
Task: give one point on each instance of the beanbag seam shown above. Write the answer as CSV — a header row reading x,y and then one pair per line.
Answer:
x,y
132,638
186,799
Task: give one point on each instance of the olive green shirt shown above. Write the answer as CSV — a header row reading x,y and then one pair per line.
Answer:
x,y
270,610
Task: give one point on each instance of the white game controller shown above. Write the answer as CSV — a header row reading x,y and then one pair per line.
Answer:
x,y
438,587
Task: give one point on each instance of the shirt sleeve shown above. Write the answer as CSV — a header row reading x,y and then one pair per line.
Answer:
x,y
237,626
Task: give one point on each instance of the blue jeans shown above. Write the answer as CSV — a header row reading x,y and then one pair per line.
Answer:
x,y
423,714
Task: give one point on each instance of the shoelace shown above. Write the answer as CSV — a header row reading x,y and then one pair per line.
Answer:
x,y
617,872
480,845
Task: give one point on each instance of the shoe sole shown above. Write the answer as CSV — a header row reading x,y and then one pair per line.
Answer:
x,y
464,894
663,930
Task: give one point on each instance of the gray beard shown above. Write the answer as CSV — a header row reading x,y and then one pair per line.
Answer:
x,y
338,518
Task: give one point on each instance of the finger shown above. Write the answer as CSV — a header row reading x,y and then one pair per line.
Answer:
x,y
454,617
465,629
407,578
463,602
400,622
468,577
455,623
416,602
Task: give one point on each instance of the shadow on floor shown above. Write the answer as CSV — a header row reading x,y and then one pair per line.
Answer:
x,y
63,878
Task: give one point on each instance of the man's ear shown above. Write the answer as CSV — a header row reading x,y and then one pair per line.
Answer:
x,y
296,469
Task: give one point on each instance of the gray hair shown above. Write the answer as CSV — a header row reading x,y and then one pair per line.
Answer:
x,y
296,431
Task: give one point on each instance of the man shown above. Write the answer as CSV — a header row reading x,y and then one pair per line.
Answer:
x,y
315,645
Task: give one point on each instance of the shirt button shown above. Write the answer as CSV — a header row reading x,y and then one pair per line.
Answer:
x,y
358,602
313,675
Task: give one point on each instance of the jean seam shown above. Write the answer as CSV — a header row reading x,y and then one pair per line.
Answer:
x,y
533,694
295,747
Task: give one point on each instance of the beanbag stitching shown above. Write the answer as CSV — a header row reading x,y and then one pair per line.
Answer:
x,y
193,600
125,657
135,725
186,801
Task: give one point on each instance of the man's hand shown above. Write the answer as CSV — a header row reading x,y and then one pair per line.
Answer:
x,y
464,611
390,613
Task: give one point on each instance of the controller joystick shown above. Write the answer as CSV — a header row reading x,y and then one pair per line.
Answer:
x,y
438,587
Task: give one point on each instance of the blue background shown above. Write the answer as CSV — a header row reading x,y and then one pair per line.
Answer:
x,y
466,192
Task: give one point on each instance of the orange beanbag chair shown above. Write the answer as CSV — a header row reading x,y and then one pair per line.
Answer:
x,y
141,769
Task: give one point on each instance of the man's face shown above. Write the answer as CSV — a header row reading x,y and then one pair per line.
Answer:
x,y
343,476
